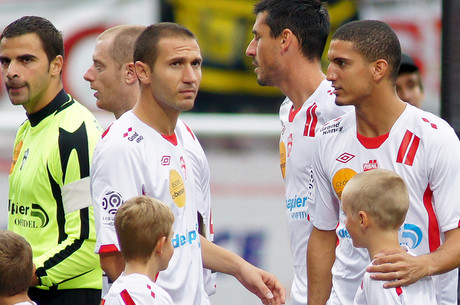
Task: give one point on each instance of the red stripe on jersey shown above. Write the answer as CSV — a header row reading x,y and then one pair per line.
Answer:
x,y
108,248
403,147
312,120
106,131
434,239
211,224
171,138
102,302
399,291
190,131
292,113
412,151
127,299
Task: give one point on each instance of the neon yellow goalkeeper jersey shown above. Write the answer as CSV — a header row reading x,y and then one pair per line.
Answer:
x,y
49,196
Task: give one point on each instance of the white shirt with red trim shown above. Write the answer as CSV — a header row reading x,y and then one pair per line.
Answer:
x,y
371,292
421,148
136,289
201,171
299,128
133,159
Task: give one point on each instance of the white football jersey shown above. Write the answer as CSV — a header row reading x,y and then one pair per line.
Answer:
x,y
136,289
201,171
298,131
133,159
371,292
424,150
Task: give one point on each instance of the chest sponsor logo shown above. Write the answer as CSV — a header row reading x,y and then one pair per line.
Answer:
x,y
177,188
340,179
283,159
132,135
345,157
17,151
370,166
180,240
297,208
33,216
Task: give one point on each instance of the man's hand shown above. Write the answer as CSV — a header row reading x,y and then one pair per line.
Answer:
x,y
263,284
398,268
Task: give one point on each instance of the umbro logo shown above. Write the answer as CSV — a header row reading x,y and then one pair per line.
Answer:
x,y
345,157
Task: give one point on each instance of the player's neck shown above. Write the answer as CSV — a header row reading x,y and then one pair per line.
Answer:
x,y
150,269
161,119
301,82
18,298
381,241
374,119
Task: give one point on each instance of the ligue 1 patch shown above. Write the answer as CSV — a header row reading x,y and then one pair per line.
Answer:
x,y
340,179
177,188
283,159
17,151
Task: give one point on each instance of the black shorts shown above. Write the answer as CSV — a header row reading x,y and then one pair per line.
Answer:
x,y
65,296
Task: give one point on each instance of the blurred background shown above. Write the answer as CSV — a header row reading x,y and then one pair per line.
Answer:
x,y
235,119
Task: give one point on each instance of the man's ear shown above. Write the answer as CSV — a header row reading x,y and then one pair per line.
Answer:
x,y
130,73
56,65
379,69
142,71
287,38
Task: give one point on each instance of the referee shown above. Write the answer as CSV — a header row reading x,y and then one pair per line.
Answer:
x,y
49,199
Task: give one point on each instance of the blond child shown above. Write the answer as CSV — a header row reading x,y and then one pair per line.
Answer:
x,y
16,269
144,231
375,204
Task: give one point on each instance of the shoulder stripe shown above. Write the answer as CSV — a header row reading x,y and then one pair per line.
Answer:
x,y
312,121
190,131
408,148
127,299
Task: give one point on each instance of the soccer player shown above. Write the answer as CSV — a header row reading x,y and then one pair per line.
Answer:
x,y
144,221
383,132
144,152
49,195
112,75
375,204
409,82
289,39
16,268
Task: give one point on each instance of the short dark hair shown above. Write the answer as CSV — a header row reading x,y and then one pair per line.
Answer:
x,y
307,19
50,37
146,47
16,265
374,40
